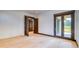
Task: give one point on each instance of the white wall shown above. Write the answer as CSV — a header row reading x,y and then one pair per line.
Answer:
x,y
77,26
12,23
46,23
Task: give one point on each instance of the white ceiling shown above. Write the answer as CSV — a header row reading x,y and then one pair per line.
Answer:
x,y
36,12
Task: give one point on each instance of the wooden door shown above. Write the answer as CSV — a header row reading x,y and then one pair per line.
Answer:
x,y
36,25
26,26
64,25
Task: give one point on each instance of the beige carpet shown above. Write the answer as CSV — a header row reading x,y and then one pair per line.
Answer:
x,y
36,41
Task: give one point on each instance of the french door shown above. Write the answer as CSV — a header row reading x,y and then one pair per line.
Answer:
x,y
64,25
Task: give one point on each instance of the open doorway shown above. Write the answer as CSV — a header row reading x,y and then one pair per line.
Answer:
x,y
31,25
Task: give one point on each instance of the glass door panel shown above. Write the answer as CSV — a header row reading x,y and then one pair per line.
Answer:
x,y
67,26
58,26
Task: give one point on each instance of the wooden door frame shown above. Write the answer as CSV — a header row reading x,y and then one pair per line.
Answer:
x,y
26,32
72,27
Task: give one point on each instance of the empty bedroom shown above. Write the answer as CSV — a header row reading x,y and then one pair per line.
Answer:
x,y
39,28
